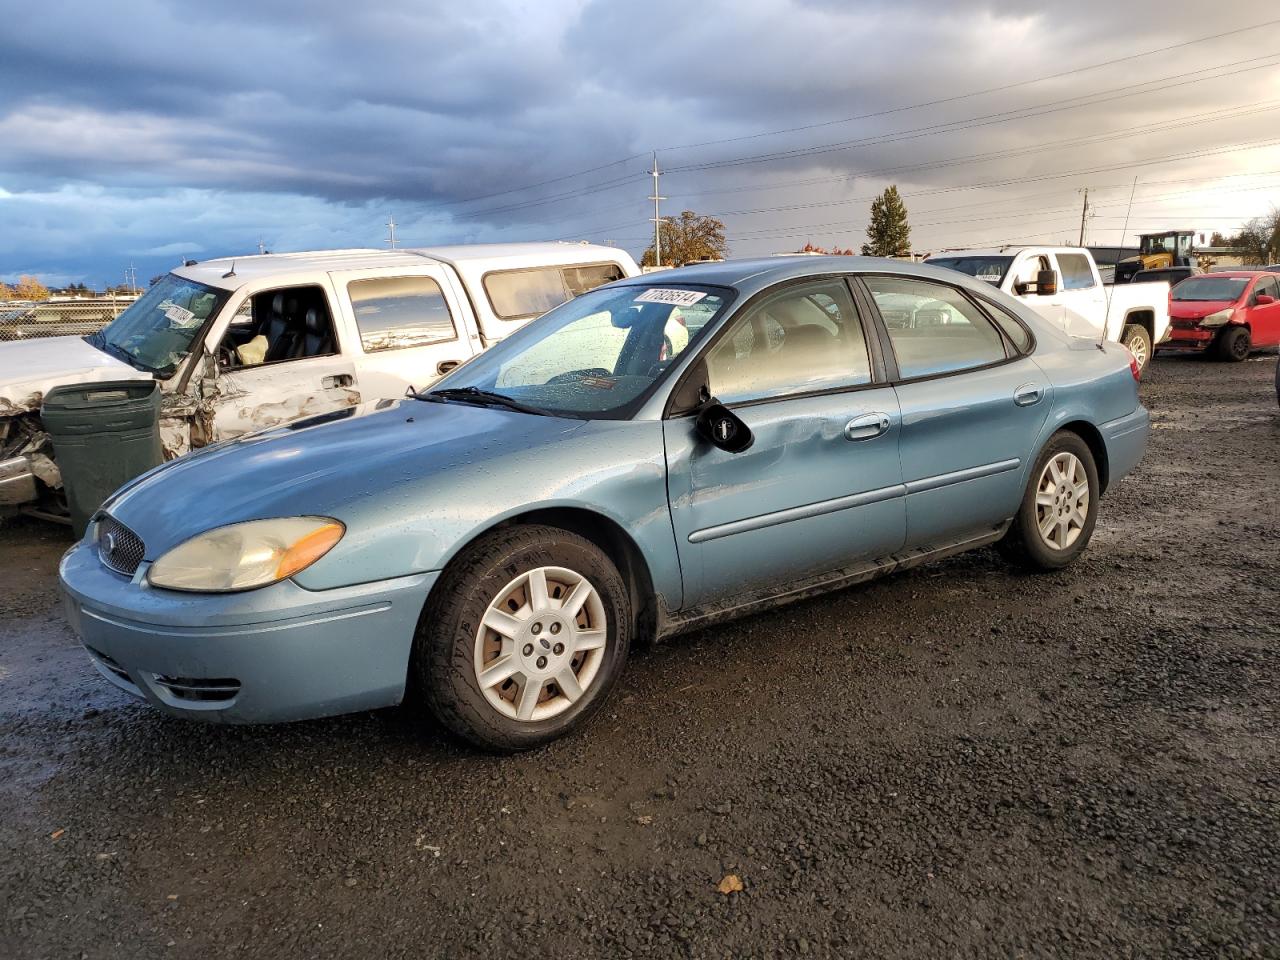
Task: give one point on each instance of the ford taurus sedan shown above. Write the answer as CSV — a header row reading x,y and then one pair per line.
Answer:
x,y
494,546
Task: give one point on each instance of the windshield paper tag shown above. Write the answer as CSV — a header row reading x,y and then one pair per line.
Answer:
x,y
178,316
680,298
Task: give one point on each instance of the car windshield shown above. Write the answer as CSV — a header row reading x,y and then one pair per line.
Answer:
x,y
1210,288
990,269
155,334
596,356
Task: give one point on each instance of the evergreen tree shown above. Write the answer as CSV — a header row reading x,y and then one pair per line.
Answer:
x,y
888,233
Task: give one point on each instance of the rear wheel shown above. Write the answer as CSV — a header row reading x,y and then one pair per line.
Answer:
x,y
1138,342
528,633
1234,344
1059,507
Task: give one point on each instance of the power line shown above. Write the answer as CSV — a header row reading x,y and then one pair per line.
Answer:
x,y
975,93
1022,113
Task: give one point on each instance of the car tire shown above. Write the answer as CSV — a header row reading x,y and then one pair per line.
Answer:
x,y
1234,344
1052,499
1138,342
519,579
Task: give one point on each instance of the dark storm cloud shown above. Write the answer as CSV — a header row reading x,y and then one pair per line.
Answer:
x,y
162,128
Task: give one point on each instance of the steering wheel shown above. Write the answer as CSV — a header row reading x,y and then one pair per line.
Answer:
x,y
226,356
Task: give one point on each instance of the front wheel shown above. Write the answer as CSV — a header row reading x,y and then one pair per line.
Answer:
x,y
1138,341
527,632
1234,344
1059,507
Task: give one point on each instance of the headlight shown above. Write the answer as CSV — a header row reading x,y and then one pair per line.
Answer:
x,y
244,556
1217,319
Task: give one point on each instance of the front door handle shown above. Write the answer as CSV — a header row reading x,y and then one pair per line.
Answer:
x,y
444,366
867,426
338,380
1027,394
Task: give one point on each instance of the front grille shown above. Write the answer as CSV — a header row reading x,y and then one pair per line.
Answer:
x,y
119,547
204,689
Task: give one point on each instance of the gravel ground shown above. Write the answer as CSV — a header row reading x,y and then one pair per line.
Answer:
x,y
957,760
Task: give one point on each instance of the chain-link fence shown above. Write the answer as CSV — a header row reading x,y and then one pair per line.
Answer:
x,y
58,318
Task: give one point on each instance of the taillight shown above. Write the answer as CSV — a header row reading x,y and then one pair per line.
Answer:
x,y
1134,368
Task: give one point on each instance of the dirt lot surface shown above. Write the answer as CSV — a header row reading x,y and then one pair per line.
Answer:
x,y
954,761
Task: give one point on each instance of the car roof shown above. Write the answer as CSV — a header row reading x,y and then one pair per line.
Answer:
x,y
1236,273
511,255
748,276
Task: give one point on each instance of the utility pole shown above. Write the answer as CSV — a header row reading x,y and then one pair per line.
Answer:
x,y
657,216
262,247
391,233
1084,214
131,278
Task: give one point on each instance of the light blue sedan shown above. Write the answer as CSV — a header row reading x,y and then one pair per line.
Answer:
x,y
657,454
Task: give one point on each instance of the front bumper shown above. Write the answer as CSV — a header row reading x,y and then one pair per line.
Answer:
x,y
263,656
17,482
1189,339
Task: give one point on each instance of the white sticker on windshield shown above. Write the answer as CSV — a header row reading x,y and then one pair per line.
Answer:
x,y
179,316
681,298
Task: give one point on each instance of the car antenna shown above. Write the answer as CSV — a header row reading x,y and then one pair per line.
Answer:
x,y
230,273
1124,232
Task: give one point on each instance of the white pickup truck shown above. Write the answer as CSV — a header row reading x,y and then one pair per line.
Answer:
x,y
1063,285
246,343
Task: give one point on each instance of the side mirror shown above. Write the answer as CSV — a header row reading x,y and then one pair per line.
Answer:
x,y
1046,283
1263,299
722,428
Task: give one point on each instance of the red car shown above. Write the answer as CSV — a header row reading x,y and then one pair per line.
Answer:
x,y
1230,313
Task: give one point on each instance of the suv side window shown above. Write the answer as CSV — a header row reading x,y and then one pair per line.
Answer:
x,y
798,340
943,332
520,294
1076,272
393,313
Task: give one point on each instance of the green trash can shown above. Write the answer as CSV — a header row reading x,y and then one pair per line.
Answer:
x,y
104,435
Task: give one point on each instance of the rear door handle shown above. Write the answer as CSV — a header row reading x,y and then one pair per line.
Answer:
x,y
867,426
444,366
338,380
1027,394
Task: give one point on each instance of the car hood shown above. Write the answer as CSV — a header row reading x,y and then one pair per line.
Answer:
x,y
1195,309
330,465
31,368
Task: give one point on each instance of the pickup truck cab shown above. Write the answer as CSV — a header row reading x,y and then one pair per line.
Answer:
x,y
246,343
1228,314
1063,285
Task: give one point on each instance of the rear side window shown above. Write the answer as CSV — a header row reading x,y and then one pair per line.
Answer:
x,y
933,328
518,294
1076,272
397,312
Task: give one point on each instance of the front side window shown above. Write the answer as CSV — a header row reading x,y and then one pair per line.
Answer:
x,y
596,355
275,326
518,294
398,312
936,329
1077,274
156,332
1267,287
796,341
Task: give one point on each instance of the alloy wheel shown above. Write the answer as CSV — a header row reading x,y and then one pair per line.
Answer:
x,y
540,644
1138,347
1062,501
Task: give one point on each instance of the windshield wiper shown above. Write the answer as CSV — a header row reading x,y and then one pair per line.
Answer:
x,y
484,398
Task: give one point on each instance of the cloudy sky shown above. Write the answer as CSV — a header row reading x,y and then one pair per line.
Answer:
x,y
153,131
